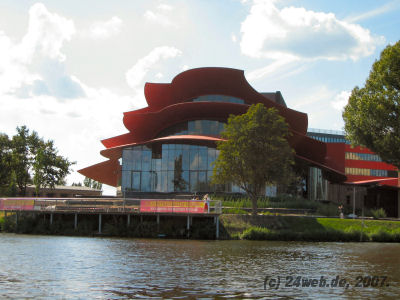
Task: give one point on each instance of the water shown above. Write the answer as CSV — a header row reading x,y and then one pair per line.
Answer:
x,y
109,268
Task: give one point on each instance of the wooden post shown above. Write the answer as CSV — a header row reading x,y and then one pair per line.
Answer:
x,y
99,223
354,201
16,218
51,219
76,221
217,229
129,220
188,225
158,219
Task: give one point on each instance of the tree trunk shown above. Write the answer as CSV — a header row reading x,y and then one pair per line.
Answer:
x,y
254,204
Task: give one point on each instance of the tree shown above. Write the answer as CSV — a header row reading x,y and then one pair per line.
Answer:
x,y
88,182
27,158
256,152
49,168
372,114
5,162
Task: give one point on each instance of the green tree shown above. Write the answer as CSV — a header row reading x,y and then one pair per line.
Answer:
x,y
372,114
256,152
27,158
88,182
49,168
5,163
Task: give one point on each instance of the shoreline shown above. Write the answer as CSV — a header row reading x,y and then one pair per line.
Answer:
x,y
232,227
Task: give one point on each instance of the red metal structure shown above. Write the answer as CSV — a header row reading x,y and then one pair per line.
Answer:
x,y
172,103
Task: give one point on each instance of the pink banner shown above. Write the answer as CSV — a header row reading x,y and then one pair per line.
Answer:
x,y
16,204
173,206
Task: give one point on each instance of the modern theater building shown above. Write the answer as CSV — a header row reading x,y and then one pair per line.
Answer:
x,y
171,144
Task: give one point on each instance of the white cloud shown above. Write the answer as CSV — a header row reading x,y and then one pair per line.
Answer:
x,y
271,32
161,15
136,74
233,38
164,7
271,68
341,100
35,66
104,30
387,7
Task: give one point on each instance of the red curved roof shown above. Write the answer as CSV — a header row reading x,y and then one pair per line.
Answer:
x,y
169,103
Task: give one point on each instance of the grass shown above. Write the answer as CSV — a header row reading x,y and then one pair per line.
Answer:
x,y
282,201
309,229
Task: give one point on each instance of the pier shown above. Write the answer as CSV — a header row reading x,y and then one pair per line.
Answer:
x,y
129,208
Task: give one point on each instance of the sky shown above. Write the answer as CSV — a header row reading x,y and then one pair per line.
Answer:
x,y
69,69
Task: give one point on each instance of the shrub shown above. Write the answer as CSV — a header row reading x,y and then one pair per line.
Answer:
x,y
255,233
378,213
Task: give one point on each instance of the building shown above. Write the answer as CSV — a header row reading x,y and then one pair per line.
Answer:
x,y
171,144
370,181
62,191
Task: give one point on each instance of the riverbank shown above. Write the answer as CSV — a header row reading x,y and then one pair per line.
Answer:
x,y
232,226
297,228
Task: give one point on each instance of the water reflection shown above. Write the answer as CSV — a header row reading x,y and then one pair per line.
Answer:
x,y
71,267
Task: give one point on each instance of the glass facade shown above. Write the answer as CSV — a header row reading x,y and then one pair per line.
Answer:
x,y
170,168
371,172
362,156
218,98
317,185
327,138
195,127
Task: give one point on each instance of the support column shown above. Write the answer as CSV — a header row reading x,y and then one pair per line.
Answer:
x,y
217,229
51,219
188,226
16,218
354,201
398,204
158,219
141,219
128,220
76,221
99,223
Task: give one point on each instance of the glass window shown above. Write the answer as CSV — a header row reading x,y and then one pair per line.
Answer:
x,y
146,161
202,181
136,181
170,181
194,159
193,181
203,165
146,182
126,180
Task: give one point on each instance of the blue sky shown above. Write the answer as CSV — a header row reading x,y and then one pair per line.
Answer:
x,y
69,69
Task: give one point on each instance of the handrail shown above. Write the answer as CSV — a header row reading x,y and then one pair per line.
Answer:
x,y
123,205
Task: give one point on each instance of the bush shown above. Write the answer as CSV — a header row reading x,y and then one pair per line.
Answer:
x,y
328,210
378,213
256,233
234,211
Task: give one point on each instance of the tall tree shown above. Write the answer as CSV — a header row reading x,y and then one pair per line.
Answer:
x,y
88,182
5,163
372,114
256,152
49,168
27,158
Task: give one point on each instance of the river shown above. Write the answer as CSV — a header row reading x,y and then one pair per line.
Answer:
x,y
49,267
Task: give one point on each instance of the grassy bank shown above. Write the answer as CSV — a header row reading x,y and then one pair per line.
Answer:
x,y
308,229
